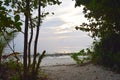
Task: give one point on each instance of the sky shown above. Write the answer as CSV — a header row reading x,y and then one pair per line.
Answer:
x,y
57,33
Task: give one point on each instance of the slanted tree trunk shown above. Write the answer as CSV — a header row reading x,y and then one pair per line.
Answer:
x,y
39,60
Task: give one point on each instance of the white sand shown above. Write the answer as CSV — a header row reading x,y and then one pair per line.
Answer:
x,y
75,72
67,69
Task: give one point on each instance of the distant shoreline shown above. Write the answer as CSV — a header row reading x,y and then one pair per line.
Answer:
x,y
52,55
59,54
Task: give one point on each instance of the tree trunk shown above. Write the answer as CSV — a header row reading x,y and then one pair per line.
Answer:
x,y
36,37
29,45
26,41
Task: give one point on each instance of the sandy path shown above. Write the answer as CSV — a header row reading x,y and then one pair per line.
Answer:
x,y
75,72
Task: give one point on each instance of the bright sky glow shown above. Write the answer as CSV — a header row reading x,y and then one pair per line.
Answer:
x,y
58,32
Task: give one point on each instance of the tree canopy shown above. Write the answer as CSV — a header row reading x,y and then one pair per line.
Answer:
x,y
104,23
7,20
103,16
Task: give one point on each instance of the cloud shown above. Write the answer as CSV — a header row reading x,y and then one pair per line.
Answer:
x,y
54,22
57,33
65,28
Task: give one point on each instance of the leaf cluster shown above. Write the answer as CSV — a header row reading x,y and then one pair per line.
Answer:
x,y
103,16
10,11
6,21
82,56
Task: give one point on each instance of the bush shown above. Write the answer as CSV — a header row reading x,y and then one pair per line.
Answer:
x,y
81,56
107,51
11,70
97,53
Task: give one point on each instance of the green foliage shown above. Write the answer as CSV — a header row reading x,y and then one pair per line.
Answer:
x,y
82,56
6,20
104,23
106,52
103,17
10,11
11,64
11,70
17,18
97,52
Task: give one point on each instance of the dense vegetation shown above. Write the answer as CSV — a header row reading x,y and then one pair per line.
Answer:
x,y
104,23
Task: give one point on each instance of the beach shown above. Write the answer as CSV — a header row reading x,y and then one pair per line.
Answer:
x,y
69,70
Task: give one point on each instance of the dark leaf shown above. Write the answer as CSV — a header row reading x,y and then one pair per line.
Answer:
x,y
17,18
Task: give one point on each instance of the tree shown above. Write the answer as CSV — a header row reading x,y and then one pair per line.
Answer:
x,y
103,16
28,18
8,26
26,8
104,23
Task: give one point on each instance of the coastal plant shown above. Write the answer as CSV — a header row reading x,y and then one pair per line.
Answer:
x,y
82,56
11,70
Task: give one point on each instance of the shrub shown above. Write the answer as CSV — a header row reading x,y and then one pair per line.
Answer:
x,y
81,56
11,70
106,52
